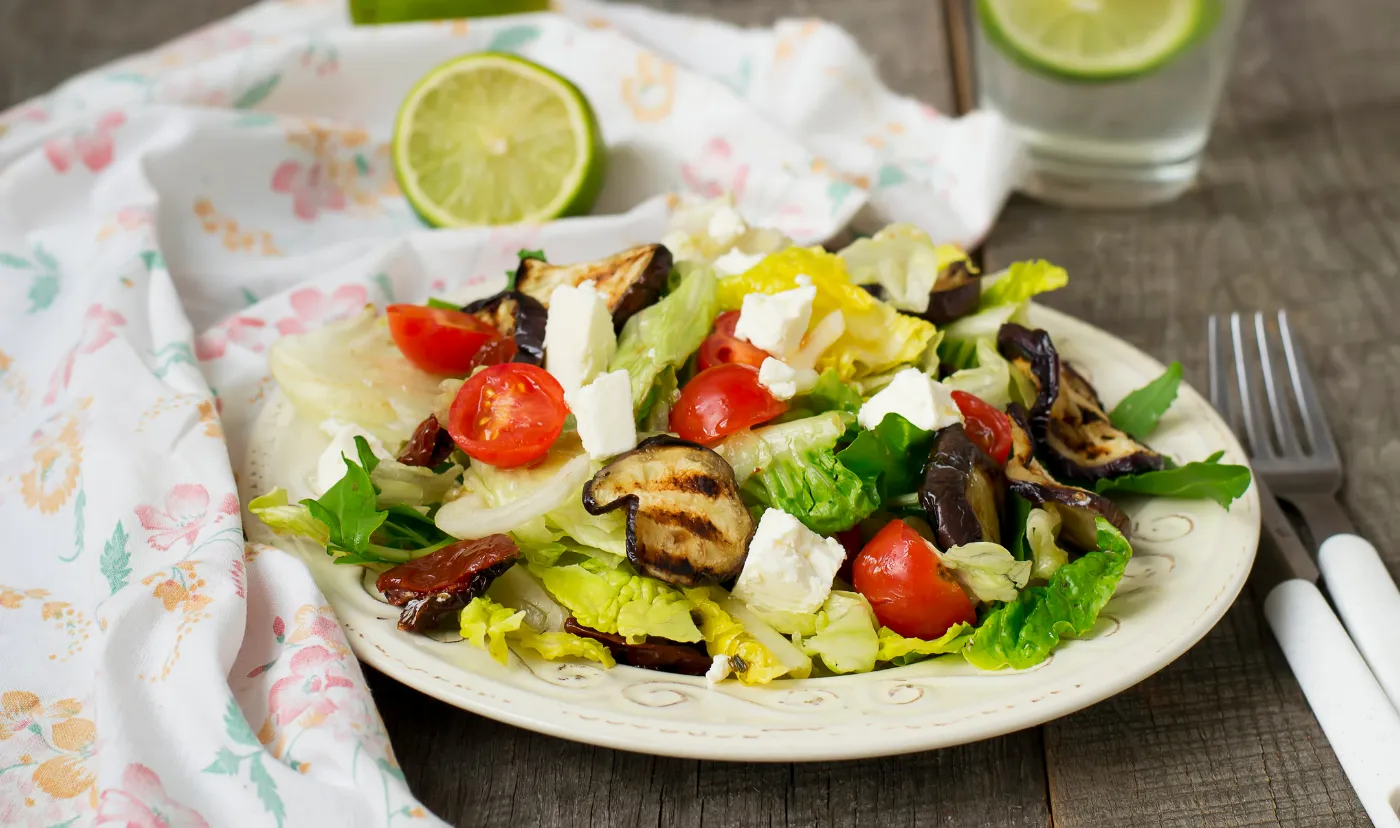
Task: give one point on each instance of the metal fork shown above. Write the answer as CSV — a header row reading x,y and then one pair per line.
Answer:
x,y
1304,467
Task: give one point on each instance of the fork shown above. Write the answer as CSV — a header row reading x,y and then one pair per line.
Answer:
x,y
1304,467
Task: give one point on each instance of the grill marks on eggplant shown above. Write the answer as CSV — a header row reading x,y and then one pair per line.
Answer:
x,y
433,588
629,281
1074,436
686,524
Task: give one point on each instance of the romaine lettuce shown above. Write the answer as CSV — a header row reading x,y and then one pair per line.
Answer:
x,y
620,601
898,650
748,451
902,260
1021,281
845,638
490,626
987,571
665,334
725,635
889,457
815,488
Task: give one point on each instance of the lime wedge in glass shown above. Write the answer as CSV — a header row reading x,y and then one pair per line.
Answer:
x,y
495,139
1094,39
401,11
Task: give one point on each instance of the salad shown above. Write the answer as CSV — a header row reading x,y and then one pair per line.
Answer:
x,y
726,455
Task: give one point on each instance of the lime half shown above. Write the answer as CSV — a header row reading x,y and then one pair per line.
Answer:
x,y
495,139
1093,39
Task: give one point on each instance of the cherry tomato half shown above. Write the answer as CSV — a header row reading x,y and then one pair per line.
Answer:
x,y
722,346
911,592
508,415
722,400
438,340
989,428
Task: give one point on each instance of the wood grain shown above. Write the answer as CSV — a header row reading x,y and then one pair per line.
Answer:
x,y
1298,209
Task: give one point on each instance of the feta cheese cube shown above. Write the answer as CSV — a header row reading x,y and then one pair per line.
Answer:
x,y
330,467
603,409
578,335
736,262
789,568
918,399
725,226
776,322
783,381
719,670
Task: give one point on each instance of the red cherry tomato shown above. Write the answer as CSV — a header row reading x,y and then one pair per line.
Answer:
x,y
499,350
508,415
720,401
989,428
438,340
723,346
911,592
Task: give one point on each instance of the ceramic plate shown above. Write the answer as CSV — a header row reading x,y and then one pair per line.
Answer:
x,y
1190,560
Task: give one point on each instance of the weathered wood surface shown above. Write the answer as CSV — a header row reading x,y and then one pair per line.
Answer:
x,y
1299,207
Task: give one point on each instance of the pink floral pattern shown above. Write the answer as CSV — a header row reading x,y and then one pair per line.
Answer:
x,y
185,514
715,171
239,330
311,188
315,670
141,802
97,331
311,308
94,148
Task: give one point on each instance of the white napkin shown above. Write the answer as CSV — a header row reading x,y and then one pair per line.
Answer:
x,y
164,218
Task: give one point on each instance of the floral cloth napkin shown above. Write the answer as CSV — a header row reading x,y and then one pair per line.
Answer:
x,y
164,218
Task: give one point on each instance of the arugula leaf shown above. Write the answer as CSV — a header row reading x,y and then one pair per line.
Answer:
x,y
1021,633
890,456
1022,281
1138,413
442,304
537,255
1208,479
348,510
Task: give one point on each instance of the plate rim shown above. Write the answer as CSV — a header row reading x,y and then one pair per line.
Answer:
x,y
780,743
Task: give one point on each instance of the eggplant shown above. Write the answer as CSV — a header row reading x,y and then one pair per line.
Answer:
x,y
429,446
436,586
1026,477
685,522
956,293
1074,437
652,654
518,316
964,490
629,281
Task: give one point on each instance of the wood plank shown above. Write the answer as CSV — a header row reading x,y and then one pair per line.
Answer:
x,y
1297,208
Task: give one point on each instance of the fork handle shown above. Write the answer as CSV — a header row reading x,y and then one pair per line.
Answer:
x,y
1368,602
1358,719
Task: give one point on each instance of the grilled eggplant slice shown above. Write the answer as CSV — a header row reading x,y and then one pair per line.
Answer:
x,y
629,281
432,589
685,522
1077,507
955,294
964,490
518,316
652,654
1074,437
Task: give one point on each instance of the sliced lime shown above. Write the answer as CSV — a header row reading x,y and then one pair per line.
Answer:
x,y
1093,39
495,139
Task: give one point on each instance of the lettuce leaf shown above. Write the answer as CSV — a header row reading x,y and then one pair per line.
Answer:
x,y
724,635
889,457
1208,479
815,488
1042,536
987,571
958,350
620,601
902,260
665,334
899,651
1139,412
748,451
829,394
1022,633
412,485
491,626
876,338
845,638
285,518
1022,281
553,646
992,380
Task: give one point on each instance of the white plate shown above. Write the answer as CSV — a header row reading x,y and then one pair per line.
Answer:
x,y
1190,561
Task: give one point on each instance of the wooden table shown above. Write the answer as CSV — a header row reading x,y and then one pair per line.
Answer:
x,y
1298,207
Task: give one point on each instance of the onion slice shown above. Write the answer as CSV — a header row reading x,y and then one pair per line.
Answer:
x,y
465,518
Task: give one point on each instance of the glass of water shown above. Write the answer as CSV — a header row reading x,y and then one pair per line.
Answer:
x,y
1113,99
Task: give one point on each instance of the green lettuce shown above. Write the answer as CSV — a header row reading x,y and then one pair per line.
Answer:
x,y
1042,536
1022,281
830,393
620,601
724,635
285,518
889,457
1022,633
989,381
898,650
987,571
412,485
665,334
845,638
553,646
1139,412
492,627
903,261
748,451
815,488
958,350
1206,480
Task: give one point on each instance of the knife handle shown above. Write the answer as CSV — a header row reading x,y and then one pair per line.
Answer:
x,y
1359,721
1368,602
